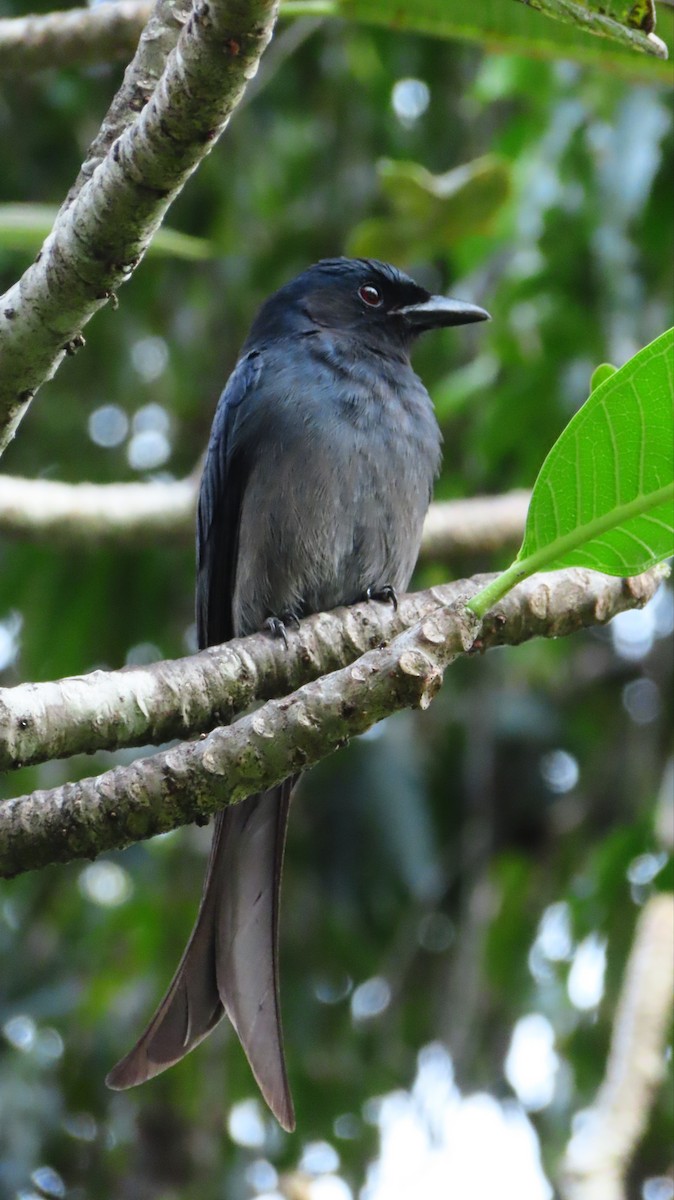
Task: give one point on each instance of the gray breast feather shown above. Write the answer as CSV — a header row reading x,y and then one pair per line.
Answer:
x,y
336,496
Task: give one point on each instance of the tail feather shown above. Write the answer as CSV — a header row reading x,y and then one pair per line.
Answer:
x,y
230,963
247,939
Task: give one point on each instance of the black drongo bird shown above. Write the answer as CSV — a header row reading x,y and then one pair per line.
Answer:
x,y
318,476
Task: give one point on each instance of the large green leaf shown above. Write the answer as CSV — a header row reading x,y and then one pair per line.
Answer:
x,y
608,478
604,497
525,27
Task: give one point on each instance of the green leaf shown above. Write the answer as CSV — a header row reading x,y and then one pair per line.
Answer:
x,y
604,497
558,27
609,478
600,374
24,227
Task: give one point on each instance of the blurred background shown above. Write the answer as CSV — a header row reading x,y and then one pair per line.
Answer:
x,y
462,885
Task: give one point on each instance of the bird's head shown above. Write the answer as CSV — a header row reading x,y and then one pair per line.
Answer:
x,y
367,299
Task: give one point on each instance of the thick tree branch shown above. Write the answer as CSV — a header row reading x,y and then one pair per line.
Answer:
x,y
187,696
74,514
193,780
600,1153
98,240
183,697
76,37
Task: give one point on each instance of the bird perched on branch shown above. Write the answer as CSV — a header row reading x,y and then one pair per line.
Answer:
x,y
319,472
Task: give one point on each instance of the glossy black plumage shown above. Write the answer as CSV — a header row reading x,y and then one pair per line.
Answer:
x,y
318,475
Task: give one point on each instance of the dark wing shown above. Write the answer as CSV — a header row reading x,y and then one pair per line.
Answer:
x,y
230,963
219,512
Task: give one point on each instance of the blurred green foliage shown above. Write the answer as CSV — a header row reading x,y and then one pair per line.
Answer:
x,y
25,226
439,853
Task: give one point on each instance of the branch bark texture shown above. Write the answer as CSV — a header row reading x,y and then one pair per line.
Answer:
x,y
193,780
134,706
600,1153
98,240
157,40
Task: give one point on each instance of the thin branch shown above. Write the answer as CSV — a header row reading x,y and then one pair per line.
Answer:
x,y
157,40
80,514
98,240
195,779
76,37
81,37
75,514
599,1154
479,525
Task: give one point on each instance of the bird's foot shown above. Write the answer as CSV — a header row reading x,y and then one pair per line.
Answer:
x,y
277,629
386,594
278,626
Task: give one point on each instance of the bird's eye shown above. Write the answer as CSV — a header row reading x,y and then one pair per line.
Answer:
x,y
370,295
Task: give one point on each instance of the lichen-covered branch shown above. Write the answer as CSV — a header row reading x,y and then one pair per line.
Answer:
x,y
76,37
98,240
282,737
73,514
599,1155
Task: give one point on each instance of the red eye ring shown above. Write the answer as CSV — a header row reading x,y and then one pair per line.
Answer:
x,y
370,295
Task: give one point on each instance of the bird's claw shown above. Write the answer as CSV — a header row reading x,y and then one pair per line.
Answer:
x,y
386,594
277,629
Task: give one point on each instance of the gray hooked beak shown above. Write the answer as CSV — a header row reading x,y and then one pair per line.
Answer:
x,y
439,311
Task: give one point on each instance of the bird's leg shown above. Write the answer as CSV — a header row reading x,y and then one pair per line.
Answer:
x,y
387,594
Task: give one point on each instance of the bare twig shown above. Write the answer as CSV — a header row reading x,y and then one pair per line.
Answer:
x,y
599,1154
78,514
193,780
98,240
80,37
479,525
76,37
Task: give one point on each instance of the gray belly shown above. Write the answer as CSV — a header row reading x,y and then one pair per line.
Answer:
x,y
335,512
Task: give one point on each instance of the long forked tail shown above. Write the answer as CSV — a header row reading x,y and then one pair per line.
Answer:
x,y
230,963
